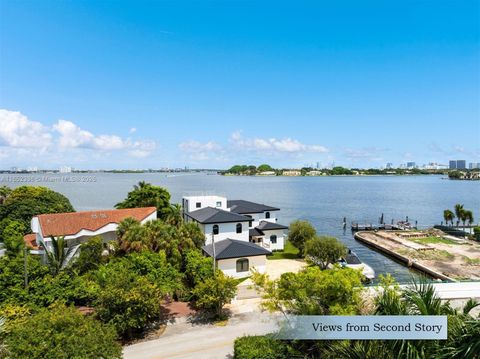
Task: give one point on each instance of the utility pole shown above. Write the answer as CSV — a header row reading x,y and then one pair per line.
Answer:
x,y
25,268
213,246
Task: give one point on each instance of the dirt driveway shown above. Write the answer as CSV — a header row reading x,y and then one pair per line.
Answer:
x,y
274,269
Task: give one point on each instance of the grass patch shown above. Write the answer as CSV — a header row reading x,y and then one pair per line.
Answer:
x,y
433,240
221,323
471,261
289,252
433,254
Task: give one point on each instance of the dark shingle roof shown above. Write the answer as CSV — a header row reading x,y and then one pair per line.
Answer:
x,y
265,226
232,248
254,232
214,215
243,207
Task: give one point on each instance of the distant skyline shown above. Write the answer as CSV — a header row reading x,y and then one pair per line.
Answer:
x,y
152,84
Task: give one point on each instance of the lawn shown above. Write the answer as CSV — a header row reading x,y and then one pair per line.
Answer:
x,y
433,240
290,252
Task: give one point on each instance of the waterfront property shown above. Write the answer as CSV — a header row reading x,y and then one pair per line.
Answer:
x,y
78,227
246,229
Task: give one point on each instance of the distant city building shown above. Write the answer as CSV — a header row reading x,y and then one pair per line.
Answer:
x,y
434,166
389,165
457,165
474,165
411,165
318,165
32,169
65,169
461,164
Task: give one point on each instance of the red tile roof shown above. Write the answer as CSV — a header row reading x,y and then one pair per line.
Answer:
x,y
30,241
63,224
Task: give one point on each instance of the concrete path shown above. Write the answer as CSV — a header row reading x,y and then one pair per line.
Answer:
x,y
186,340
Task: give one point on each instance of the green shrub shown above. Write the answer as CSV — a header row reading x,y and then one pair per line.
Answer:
x,y
90,255
476,233
126,300
24,202
261,347
62,332
213,293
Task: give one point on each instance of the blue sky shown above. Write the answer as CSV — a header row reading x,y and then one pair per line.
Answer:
x,y
147,84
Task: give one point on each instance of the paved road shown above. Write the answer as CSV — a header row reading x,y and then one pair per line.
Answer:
x,y
186,340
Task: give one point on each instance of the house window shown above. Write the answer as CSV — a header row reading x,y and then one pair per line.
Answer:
x,y
242,265
219,204
215,229
198,204
273,239
239,228
267,214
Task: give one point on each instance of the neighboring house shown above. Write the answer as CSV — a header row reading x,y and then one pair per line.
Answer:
x,y
220,223
292,173
235,258
78,227
248,227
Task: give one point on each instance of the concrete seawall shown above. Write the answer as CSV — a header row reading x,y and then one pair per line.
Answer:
x,y
403,259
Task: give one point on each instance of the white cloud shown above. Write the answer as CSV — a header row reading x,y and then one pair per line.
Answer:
x,y
273,145
197,151
18,133
133,130
16,130
72,136
141,149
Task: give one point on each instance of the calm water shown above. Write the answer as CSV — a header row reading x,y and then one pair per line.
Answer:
x,y
324,201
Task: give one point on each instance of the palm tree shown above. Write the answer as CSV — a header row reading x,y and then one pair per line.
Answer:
x,y
59,254
448,216
469,217
175,216
458,212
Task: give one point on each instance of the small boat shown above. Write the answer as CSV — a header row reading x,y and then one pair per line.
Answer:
x,y
352,261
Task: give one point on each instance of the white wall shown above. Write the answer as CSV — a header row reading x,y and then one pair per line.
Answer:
x,y
280,239
189,203
225,230
257,217
229,266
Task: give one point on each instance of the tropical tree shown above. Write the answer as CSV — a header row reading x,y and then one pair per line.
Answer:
x,y
25,202
448,216
90,255
174,218
468,215
147,195
324,250
419,298
312,291
214,292
59,254
13,237
459,212
300,232
63,332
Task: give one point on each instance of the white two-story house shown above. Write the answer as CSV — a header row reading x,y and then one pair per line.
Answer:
x,y
243,232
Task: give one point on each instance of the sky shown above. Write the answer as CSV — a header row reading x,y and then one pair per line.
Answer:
x,y
210,84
